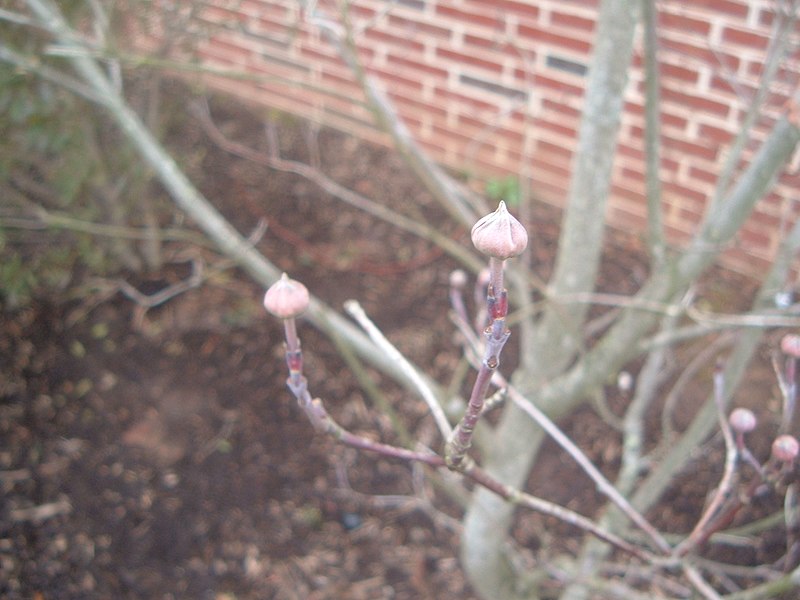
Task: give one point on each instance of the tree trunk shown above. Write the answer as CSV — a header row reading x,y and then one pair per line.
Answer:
x,y
517,437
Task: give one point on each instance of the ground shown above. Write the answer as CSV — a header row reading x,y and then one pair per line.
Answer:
x,y
157,453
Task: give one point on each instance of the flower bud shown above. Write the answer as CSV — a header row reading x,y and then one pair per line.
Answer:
x,y
286,298
624,382
785,448
742,420
458,279
790,345
499,234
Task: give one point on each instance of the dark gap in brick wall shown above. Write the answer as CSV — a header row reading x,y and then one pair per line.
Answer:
x,y
417,4
569,66
495,88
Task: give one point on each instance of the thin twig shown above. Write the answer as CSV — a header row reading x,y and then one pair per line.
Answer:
x,y
274,160
656,241
724,492
700,584
603,485
357,312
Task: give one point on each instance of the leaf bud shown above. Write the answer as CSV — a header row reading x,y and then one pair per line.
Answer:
x,y
458,279
499,234
742,420
286,298
624,382
785,448
790,345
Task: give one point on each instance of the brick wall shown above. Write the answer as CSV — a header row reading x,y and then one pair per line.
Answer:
x,y
477,82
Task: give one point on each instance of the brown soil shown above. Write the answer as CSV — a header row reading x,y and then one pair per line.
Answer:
x,y
158,454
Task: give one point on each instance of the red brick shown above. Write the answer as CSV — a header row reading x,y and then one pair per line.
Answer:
x,y
631,175
737,259
469,59
326,56
689,218
691,149
669,165
272,25
481,42
715,135
561,108
624,192
234,59
624,217
745,38
562,19
279,10
444,95
417,27
683,74
631,152
219,14
394,80
698,103
388,39
704,53
359,11
730,7
526,74
683,23
680,236
559,169
557,127
538,36
674,121
553,149
471,17
667,119
522,8
558,85
767,222
703,175
634,108
446,133
417,65
750,237
687,195
732,84
482,125
341,79
404,101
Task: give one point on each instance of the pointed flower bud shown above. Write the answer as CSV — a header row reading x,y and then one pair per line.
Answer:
x,y
499,234
742,420
785,448
286,298
790,345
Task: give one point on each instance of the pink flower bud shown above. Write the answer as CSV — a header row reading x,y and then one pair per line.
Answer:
x,y
742,420
286,298
785,448
624,382
458,279
499,234
790,345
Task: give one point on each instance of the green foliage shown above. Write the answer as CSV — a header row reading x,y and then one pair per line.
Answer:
x,y
504,188
59,155
16,280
